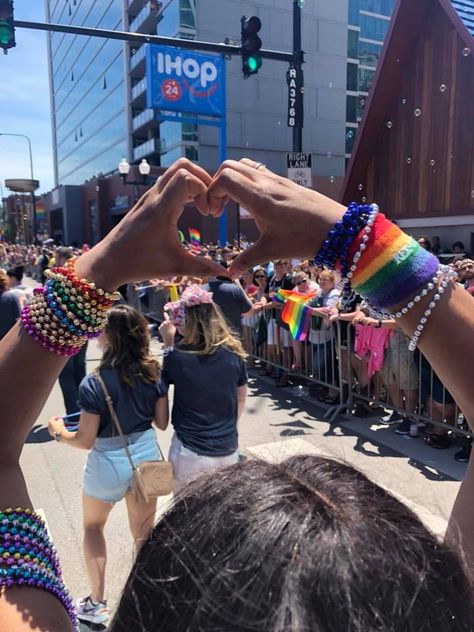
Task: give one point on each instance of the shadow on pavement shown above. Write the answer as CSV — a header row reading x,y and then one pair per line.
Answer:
x,y
39,434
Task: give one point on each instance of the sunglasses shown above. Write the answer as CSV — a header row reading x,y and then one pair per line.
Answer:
x,y
259,276
301,282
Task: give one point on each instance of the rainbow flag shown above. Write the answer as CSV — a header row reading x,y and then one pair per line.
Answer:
x,y
194,236
295,312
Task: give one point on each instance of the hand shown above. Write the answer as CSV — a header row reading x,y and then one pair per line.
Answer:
x,y
292,220
145,244
55,424
167,331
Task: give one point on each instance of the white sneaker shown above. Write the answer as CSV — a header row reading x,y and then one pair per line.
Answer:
x,y
87,610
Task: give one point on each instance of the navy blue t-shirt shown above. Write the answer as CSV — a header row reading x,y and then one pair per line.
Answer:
x,y
135,407
231,299
205,399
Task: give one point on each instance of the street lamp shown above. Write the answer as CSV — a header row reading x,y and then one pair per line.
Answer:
x,y
33,199
124,169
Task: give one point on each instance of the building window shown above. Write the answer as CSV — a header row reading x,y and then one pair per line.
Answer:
x,y
353,44
369,53
354,12
351,109
373,28
382,7
350,138
366,77
352,77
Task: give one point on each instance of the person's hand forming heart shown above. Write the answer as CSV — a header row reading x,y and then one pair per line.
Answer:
x,y
145,244
292,220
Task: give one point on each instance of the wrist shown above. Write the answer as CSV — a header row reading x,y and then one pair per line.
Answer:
x,y
97,266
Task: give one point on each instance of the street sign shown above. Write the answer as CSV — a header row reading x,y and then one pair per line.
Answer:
x,y
180,80
299,168
294,79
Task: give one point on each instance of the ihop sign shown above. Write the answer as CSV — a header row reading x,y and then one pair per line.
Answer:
x,y
185,81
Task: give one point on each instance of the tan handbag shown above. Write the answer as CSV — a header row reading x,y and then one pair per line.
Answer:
x,y
149,478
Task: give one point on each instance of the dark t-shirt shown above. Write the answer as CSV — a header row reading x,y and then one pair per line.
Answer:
x,y
231,299
135,407
205,399
9,312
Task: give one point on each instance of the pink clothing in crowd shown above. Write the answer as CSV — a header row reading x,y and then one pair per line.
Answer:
x,y
372,341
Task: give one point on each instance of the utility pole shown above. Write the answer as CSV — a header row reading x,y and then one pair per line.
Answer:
x,y
298,56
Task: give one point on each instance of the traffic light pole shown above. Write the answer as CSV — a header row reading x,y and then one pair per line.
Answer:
x,y
298,63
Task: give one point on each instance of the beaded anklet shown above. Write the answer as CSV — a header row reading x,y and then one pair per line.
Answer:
x,y
28,557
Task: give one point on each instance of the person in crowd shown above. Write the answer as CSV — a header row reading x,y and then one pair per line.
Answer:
x,y
425,243
23,292
439,405
75,369
304,544
467,270
436,245
249,322
278,337
207,369
459,251
132,378
232,300
321,333
9,306
43,264
303,285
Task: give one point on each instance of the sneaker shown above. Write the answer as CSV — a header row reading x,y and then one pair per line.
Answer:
x,y
404,427
463,455
87,610
394,418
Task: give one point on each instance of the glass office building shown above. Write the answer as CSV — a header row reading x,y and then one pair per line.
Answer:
x,y
87,87
367,26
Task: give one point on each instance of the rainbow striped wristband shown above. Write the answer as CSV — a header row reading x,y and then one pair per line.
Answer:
x,y
391,267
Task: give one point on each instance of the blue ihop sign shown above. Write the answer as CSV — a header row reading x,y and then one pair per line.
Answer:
x,y
185,81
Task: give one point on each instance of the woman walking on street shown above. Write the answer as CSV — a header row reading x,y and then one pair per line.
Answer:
x,y
132,377
208,371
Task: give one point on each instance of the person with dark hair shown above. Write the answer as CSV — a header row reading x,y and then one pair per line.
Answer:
x,y
424,242
208,372
9,306
309,544
23,292
132,377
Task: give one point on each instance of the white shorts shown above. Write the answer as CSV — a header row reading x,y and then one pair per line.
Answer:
x,y
187,465
277,335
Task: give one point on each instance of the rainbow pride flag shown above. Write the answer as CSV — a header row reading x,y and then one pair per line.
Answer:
x,y
295,312
195,237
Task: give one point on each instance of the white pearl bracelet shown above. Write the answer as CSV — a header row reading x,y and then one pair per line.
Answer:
x,y
346,281
424,319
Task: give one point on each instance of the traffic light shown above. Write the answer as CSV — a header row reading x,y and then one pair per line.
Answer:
x,y
251,45
7,25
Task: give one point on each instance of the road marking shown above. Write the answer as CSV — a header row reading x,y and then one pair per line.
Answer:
x,y
279,450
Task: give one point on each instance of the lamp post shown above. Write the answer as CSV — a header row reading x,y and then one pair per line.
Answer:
x,y
33,199
144,169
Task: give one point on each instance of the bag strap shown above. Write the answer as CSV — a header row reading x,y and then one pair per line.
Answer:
x,y
113,414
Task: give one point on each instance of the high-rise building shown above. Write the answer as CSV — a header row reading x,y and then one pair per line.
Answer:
x,y
98,86
368,22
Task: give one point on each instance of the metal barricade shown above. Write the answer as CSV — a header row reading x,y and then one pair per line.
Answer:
x,y
380,373
149,300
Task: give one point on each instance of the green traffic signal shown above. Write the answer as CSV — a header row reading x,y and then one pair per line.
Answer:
x,y
6,33
251,45
254,63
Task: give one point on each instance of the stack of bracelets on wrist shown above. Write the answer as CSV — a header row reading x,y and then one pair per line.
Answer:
x,y
383,264
28,557
66,312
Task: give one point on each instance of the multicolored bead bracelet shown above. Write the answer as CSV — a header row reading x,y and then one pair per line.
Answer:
x,y
67,311
28,557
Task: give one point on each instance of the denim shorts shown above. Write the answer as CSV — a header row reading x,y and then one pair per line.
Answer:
x,y
107,472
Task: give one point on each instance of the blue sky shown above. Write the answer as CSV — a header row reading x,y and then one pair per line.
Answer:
x,y
24,102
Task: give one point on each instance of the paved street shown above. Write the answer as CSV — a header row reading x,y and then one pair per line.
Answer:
x,y
275,425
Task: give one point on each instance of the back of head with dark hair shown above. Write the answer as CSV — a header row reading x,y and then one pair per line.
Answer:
x,y
309,545
16,272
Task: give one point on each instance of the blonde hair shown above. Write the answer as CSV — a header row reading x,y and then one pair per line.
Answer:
x,y
205,330
328,274
3,281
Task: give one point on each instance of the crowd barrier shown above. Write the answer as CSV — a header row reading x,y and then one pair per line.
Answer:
x,y
354,365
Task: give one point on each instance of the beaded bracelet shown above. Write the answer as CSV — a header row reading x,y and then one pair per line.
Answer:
x,y
28,557
66,312
424,319
339,239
